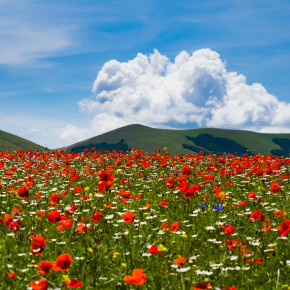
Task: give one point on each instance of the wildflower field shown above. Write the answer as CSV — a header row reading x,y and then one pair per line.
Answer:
x,y
100,220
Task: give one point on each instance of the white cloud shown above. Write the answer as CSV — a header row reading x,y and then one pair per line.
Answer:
x,y
194,90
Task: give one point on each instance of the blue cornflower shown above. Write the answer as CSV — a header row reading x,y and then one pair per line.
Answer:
x,y
218,207
202,206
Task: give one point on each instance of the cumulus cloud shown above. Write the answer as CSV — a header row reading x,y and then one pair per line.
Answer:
x,y
192,91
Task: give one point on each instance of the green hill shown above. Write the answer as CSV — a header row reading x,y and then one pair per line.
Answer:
x,y
12,142
187,141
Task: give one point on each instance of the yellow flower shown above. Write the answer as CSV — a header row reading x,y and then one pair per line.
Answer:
x,y
165,148
115,255
161,248
90,250
65,278
87,188
124,265
184,236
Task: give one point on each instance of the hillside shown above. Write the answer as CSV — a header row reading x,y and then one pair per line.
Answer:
x,y
12,142
187,141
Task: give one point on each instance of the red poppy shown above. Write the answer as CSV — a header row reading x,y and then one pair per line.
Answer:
x,y
63,262
252,196
41,284
280,213
23,192
12,275
138,277
242,203
165,225
202,286
128,217
257,215
163,203
228,229
185,170
284,228
96,217
8,219
14,226
74,283
16,210
54,198
65,224
181,261
275,187
37,244
78,190
103,176
174,227
44,267
54,217
153,250
170,182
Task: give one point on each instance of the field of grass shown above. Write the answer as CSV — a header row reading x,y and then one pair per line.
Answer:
x,y
14,143
148,139
144,221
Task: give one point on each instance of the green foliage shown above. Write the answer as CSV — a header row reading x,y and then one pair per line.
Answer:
x,y
284,143
149,139
218,145
12,142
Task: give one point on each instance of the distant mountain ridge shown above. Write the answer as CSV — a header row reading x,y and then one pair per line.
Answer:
x,y
11,142
209,140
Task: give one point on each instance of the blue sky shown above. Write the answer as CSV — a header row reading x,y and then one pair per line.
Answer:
x,y
53,52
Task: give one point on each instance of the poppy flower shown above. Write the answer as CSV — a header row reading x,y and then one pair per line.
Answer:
x,y
74,283
284,228
14,226
170,182
252,196
44,267
275,187
41,284
153,250
163,203
78,189
37,244
65,224
12,275
180,261
185,170
63,262
228,229
257,215
103,176
280,213
174,227
165,225
54,198
96,217
138,277
23,192
201,286
54,217
128,217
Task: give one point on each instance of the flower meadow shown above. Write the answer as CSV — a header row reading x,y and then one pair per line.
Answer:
x,y
128,220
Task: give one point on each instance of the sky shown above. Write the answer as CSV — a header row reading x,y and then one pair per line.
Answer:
x,y
71,70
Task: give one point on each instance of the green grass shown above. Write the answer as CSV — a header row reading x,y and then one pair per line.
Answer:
x,y
12,142
148,139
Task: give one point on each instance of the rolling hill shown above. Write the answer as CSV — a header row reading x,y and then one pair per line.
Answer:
x,y
12,142
209,140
